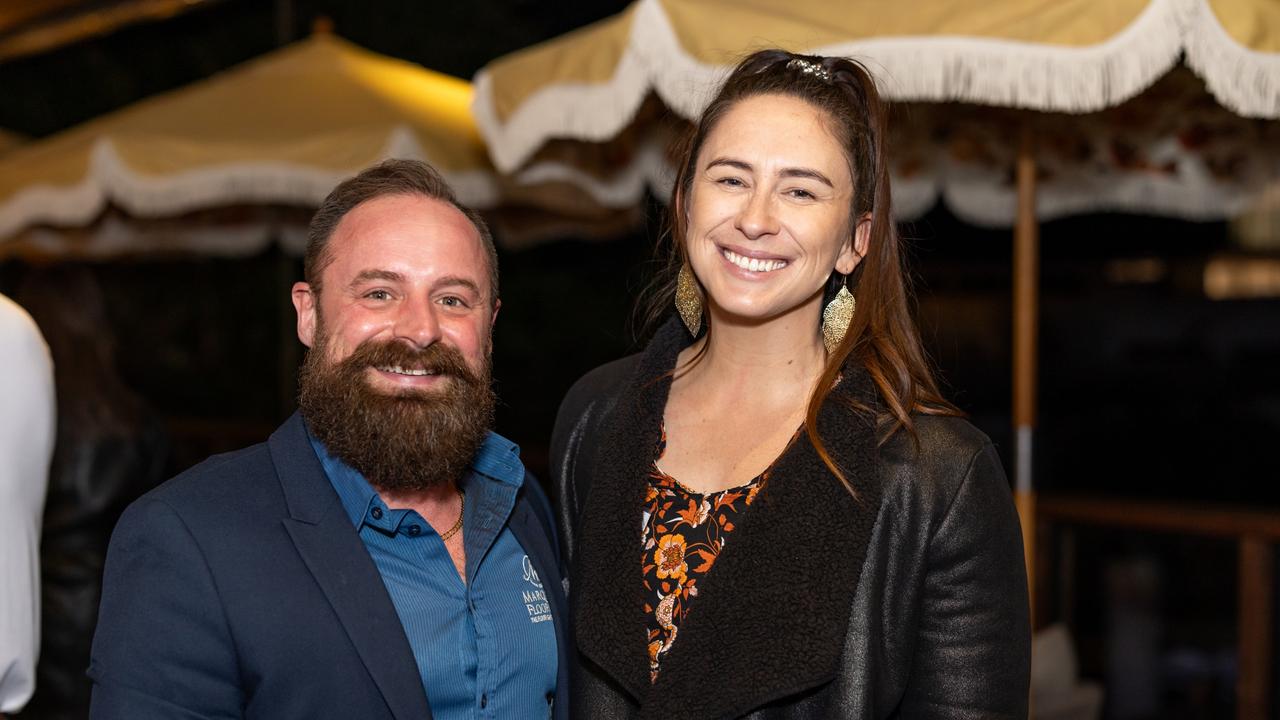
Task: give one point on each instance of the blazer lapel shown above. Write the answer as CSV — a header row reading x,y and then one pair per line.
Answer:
x,y
334,554
770,616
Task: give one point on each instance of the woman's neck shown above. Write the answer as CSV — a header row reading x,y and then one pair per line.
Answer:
x,y
775,362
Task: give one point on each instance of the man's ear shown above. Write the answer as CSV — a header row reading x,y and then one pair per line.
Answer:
x,y
856,250
304,301
493,319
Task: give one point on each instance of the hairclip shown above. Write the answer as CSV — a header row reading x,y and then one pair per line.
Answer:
x,y
809,67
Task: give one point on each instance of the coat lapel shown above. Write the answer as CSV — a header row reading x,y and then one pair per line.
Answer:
x,y
334,554
769,618
605,580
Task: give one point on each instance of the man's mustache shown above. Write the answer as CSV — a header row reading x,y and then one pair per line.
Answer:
x,y
397,356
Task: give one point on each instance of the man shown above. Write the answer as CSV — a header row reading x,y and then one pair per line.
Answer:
x,y
27,430
382,555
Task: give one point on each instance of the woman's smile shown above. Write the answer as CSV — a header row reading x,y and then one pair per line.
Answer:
x,y
752,263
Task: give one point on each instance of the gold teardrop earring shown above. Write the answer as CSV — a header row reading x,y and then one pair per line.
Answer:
x,y
837,315
689,299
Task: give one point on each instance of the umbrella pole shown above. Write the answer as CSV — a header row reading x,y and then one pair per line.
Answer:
x,y
1026,276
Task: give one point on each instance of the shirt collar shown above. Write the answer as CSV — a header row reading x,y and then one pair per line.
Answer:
x,y
497,458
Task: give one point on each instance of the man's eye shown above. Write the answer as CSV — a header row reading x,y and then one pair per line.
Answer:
x,y
378,295
453,301
800,194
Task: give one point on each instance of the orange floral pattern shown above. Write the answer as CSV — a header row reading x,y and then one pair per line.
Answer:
x,y
684,533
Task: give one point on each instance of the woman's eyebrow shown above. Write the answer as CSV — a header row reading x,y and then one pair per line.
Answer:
x,y
808,173
801,172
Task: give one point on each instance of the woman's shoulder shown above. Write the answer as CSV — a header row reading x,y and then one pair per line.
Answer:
x,y
589,398
605,381
943,453
598,388
946,435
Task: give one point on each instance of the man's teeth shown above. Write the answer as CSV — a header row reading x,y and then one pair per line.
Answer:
x,y
753,264
407,371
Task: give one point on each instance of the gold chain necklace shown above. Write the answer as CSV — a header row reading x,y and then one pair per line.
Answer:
x,y
462,505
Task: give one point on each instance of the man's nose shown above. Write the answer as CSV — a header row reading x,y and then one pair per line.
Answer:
x,y
418,324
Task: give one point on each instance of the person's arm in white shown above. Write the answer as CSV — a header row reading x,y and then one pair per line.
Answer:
x,y
26,446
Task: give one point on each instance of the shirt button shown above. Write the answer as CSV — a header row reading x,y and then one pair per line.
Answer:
x,y
414,530
484,700
376,513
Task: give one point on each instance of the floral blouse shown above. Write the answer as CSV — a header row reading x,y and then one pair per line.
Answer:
x,y
684,532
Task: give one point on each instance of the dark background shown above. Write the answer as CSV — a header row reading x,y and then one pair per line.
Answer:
x,y
1148,389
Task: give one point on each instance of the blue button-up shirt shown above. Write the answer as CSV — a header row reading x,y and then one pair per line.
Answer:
x,y
485,648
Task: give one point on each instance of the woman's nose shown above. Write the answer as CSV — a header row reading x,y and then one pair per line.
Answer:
x,y
756,217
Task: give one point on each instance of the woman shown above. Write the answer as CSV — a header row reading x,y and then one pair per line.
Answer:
x,y
771,512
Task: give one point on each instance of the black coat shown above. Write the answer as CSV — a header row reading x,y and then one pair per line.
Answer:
x,y
909,601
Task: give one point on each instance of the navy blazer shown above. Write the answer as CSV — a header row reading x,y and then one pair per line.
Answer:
x,y
240,589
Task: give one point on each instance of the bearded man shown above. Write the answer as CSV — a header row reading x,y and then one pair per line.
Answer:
x,y
383,554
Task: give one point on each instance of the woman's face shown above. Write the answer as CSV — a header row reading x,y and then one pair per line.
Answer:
x,y
768,210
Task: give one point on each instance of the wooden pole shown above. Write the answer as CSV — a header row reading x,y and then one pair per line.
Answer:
x,y
1253,691
1026,281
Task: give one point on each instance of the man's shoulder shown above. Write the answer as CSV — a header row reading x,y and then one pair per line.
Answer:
x,y
535,496
220,483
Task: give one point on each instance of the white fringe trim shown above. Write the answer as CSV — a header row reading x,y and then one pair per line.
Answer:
x,y
1026,75
1244,81
114,237
1193,196
579,111
909,68
975,194
974,70
110,179
625,188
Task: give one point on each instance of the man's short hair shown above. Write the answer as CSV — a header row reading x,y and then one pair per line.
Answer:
x,y
389,177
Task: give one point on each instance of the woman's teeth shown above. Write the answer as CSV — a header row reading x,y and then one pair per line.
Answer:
x,y
753,264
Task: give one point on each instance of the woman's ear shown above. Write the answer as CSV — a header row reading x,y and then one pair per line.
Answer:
x,y
855,250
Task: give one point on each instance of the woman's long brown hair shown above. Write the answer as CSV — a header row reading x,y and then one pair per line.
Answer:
x,y
882,336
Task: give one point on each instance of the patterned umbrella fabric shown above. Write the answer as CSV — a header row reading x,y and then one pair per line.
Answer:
x,y
1069,59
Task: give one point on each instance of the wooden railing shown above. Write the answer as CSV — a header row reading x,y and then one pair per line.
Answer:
x,y
1255,533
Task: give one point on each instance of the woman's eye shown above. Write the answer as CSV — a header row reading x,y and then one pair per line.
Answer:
x,y
800,194
731,182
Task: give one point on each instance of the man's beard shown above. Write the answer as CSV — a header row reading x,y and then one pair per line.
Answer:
x,y
406,440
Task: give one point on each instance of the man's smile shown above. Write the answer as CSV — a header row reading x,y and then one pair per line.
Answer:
x,y
398,370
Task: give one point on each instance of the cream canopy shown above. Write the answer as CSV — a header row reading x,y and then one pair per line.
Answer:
x,y
1120,131
282,129
1052,55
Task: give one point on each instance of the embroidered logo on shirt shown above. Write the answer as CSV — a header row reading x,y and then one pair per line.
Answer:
x,y
535,600
530,575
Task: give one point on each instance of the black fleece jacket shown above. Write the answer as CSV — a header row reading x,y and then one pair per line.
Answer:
x,y
908,601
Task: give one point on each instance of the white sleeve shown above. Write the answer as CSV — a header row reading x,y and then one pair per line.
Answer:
x,y
26,446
